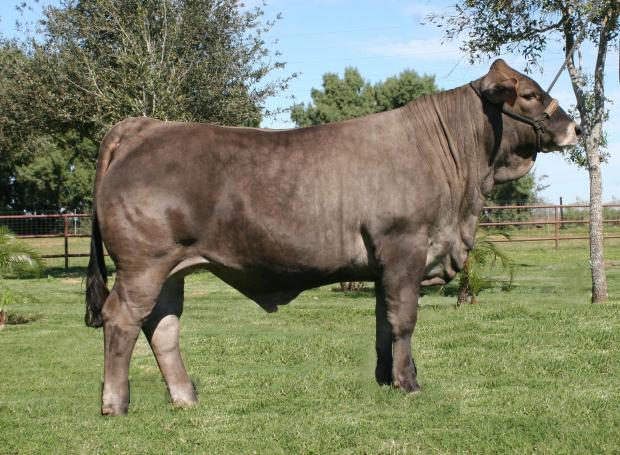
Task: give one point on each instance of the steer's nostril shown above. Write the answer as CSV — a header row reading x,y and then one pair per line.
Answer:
x,y
578,130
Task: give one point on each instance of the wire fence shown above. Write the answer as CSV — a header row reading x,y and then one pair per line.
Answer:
x,y
525,223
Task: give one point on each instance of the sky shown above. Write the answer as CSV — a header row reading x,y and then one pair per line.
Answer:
x,y
384,37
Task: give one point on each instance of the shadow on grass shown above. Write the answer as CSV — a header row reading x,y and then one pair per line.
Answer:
x,y
61,272
71,272
365,292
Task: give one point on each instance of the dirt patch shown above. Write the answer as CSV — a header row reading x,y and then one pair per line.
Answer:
x,y
612,263
71,281
15,319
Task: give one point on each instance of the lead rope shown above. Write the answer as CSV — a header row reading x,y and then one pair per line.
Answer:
x,y
582,34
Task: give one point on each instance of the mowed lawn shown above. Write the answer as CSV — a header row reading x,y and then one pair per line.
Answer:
x,y
536,369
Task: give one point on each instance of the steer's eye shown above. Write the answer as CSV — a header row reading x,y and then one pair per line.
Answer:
x,y
529,95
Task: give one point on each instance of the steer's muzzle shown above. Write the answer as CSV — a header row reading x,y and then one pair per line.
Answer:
x,y
570,136
565,137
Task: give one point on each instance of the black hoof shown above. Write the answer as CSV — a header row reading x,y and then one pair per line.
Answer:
x,y
383,375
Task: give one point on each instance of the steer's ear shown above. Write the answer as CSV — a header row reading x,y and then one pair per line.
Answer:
x,y
499,88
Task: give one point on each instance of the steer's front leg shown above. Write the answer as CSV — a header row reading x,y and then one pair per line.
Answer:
x,y
402,274
384,338
403,315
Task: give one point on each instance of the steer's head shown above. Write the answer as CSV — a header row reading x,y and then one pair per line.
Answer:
x,y
517,140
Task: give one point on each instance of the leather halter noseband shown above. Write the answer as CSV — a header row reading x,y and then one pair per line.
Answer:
x,y
537,124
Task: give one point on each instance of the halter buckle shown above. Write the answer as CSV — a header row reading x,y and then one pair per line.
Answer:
x,y
551,108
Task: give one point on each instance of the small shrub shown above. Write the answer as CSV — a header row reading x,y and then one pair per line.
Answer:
x,y
473,277
16,257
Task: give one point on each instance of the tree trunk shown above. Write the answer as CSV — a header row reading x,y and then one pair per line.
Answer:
x,y
351,286
593,143
597,257
2,319
463,294
593,120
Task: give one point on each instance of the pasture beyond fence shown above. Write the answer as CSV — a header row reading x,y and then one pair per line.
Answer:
x,y
525,223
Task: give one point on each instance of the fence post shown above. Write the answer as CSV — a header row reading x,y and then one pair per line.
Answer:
x,y
557,221
66,235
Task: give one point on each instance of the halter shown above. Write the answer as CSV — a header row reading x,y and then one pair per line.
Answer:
x,y
537,123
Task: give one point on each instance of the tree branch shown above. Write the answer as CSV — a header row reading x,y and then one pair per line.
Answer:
x,y
576,76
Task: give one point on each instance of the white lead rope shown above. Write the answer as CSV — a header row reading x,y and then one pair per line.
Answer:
x,y
575,46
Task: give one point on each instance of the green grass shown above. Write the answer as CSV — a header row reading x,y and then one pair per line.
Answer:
x,y
531,370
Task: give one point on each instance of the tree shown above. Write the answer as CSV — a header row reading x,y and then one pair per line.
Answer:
x,y
57,173
516,192
91,63
523,191
526,28
352,96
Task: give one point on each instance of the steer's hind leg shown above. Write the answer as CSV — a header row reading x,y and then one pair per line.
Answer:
x,y
120,332
162,332
124,311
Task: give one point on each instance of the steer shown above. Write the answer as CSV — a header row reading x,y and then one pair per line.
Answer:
x,y
392,198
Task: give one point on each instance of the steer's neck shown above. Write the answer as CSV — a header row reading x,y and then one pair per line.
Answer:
x,y
471,136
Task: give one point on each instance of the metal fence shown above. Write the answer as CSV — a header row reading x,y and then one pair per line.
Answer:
x,y
39,226
555,218
522,220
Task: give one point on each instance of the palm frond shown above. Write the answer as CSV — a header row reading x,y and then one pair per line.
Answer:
x,y
481,259
16,256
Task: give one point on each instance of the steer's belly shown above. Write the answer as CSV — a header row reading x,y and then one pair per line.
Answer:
x,y
273,286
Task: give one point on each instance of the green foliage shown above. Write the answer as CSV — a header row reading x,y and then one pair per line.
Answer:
x,y
57,173
516,192
91,63
201,60
352,96
520,26
396,91
474,277
523,191
340,99
16,257
587,115
7,297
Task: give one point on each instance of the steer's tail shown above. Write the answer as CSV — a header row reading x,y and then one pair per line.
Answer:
x,y
96,278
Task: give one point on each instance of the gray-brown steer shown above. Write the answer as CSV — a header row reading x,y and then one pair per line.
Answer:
x,y
392,198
